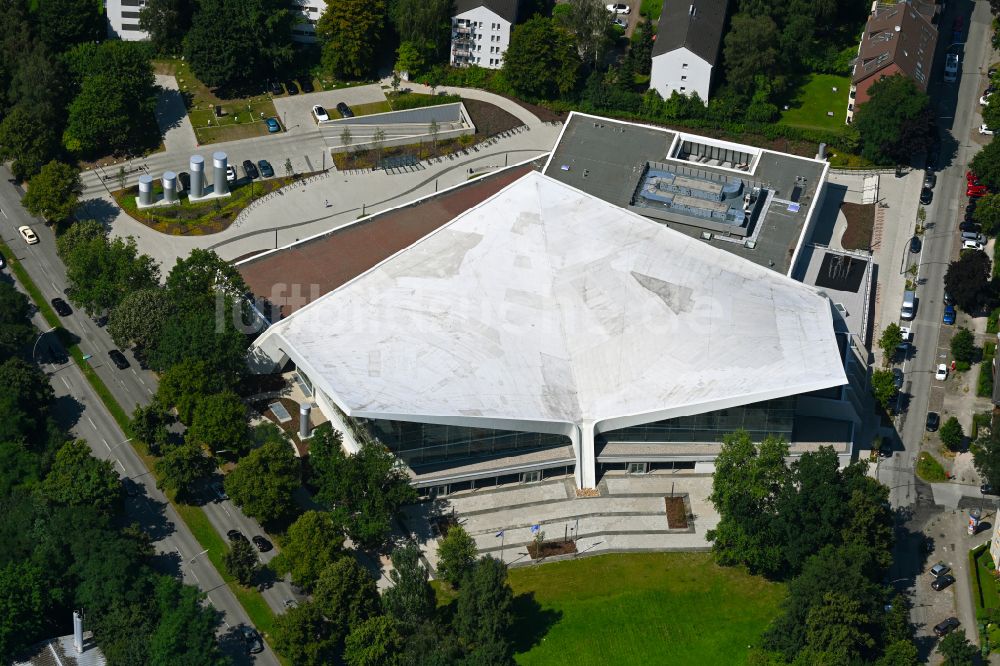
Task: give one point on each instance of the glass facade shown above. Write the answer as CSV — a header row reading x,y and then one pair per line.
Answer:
x,y
419,444
771,417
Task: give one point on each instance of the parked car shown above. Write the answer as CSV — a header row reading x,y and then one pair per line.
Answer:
x,y
344,110
263,545
61,307
971,177
971,206
976,191
276,88
235,535
28,235
940,569
926,196
983,129
970,227
306,84
987,489
971,245
118,359
949,314
946,626
941,373
951,68
255,644
230,173
933,421
915,245
320,114
943,582
885,449
219,490
272,125
621,23
947,299
290,603
985,99
291,87
265,168
251,170
897,378
930,179
619,8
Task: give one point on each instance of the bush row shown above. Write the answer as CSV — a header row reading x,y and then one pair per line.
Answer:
x,y
984,386
404,101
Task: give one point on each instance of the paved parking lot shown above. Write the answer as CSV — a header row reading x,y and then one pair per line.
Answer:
x,y
296,111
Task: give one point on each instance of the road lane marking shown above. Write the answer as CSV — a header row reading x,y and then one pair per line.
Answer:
x,y
92,423
106,443
64,381
121,465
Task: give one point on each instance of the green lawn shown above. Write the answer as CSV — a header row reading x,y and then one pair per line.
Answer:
x,y
929,469
644,608
811,102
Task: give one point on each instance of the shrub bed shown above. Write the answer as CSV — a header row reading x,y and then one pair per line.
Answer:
x,y
984,385
929,469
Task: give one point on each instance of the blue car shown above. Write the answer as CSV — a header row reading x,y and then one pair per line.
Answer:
x,y
272,125
949,314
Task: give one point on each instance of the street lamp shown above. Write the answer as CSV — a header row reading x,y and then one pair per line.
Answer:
x,y
35,347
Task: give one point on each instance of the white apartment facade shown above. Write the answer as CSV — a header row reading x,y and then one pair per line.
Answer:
x,y
304,30
687,47
123,19
480,32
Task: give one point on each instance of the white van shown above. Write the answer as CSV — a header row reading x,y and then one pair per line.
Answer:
x,y
909,308
951,68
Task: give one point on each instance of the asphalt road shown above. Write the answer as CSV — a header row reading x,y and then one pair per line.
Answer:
x,y
955,106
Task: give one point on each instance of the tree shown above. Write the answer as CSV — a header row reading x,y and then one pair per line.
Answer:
x,y
894,124
542,59
751,47
745,487
378,141
16,330
63,23
869,527
232,41
641,49
456,555
485,606
986,457
346,593
884,387
166,22
963,346
890,339
138,318
55,192
375,642
986,165
79,479
967,279
991,115
409,58
349,31
114,111
836,631
101,271
302,634
900,653
365,490
201,334
957,650
181,467
424,27
24,403
433,130
221,422
183,385
185,633
23,602
151,425
411,598
987,211
590,22
241,561
312,544
263,482
29,140
195,281
951,433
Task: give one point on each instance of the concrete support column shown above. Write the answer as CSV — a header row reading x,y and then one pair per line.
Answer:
x,y
197,167
219,163
304,427
169,187
145,190
586,457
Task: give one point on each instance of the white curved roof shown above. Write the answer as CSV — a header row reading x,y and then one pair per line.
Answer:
x,y
544,304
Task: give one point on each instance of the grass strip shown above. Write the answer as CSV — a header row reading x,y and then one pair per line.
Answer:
x,y
929,469
195,519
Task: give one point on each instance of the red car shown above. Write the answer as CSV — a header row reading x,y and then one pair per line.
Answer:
x,y
976,190
971,176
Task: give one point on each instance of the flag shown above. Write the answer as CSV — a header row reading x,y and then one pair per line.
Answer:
x,y
499,534
535,528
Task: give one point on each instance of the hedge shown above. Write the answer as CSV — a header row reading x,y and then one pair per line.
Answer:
x,y
984,385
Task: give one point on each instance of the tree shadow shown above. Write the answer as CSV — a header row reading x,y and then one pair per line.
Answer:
x,y
531,622
234,646
67,411
100,210
167,563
